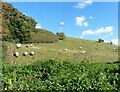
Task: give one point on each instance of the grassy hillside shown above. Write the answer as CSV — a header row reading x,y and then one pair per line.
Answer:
x,y
46,51
43,36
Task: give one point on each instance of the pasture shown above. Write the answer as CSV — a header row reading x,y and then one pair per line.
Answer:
x,y
45,51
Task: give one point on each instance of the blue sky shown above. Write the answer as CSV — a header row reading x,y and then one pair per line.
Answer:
x,y
86,20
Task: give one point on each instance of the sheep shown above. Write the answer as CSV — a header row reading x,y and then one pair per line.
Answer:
x,y
65,49
80,47
25,53
82,52
113,48
94,45
18,45
99,44
32,53
27,45
31,45
16,54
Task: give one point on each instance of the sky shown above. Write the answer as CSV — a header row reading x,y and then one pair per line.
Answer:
x,y
85,20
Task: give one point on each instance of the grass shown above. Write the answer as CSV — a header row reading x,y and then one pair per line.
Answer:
x,y
46,51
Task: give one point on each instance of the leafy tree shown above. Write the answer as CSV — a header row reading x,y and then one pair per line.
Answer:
x,y
19,26
100,40
60,35
111,42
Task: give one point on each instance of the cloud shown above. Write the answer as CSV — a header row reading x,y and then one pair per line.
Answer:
x,y
103,30
81,21
115,41
38,26
61,24
83,4
106,41
90,17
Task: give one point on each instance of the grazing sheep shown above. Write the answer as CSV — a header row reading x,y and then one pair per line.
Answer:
x,y
65,50
82,52
31,45
27,45
113,48
80,47
25,53
32,53
99,44
18,45
16,54
94,45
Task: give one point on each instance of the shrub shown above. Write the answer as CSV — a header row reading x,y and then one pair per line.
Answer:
x,y
60,35
61,76
100,40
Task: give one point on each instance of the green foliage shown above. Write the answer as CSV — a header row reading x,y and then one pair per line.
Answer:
x,y
60,35
100,40
18,25
43,36
61,76
111,43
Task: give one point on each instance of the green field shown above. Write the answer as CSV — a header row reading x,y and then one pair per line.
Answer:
x,y
46,51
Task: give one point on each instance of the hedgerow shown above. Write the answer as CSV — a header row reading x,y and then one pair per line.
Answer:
x,y
61,76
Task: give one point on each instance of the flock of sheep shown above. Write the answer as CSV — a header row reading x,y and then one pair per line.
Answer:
x,y
16,54
33,53
83,51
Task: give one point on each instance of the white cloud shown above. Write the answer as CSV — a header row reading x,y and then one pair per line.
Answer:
x,y
106,41
38,26
81,21
115,41
83,4
85,24
103,30
61,24
90,17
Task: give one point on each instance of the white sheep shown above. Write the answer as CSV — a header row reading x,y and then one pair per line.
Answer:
x,y
113,48
94,45
31,45
25,53
27,45
16,54
65,50
18,45
82,52
32,53
80,47
99,44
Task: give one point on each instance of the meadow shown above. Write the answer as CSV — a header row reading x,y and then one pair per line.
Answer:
x,y
46,51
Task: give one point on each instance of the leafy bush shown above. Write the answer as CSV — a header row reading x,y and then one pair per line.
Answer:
x,y
61,76
100,40
60,35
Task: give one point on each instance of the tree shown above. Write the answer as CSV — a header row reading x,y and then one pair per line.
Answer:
x,y
100,40
111,43
60,35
